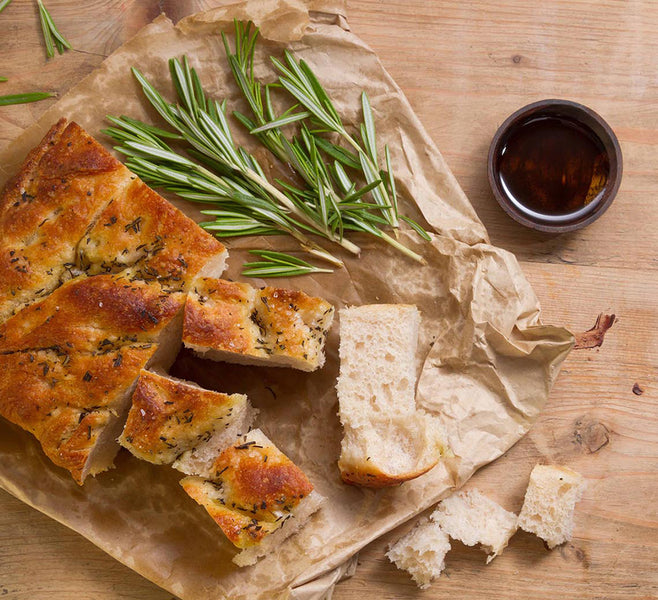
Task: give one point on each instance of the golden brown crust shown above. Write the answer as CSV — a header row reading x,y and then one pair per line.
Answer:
x,y
77,352
218,315
142,232
255,490
94,314
65,397
278,325
73,208
169,417
45,210
374,478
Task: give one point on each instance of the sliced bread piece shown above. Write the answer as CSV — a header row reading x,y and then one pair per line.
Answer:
x,y
421,552
176,421
549,503
70,362
385,451
386,439
254,490
235,322
472,518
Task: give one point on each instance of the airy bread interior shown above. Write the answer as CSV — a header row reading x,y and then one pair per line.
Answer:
x,y
387,440
421,552
549,503
472,518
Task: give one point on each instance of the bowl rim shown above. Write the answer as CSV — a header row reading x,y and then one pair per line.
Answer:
x,y
586,117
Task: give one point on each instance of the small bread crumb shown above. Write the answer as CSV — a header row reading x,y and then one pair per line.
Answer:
x,y
421,552
549,503
473,519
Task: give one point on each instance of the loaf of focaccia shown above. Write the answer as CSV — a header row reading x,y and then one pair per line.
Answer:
x,y
94,267
252,492
235,322
69,362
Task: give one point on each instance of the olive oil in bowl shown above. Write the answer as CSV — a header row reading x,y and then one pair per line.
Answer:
x,y
553,167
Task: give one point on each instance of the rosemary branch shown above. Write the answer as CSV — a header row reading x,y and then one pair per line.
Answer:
x,y
278,264
149,156
203,124
51,36
340,212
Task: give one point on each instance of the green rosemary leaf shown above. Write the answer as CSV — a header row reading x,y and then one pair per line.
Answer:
x,y
3,79
155,131
416,227
349,159
279,264
362,192
52,37
24,98
390,179
45,29
281,121
368,128
4,4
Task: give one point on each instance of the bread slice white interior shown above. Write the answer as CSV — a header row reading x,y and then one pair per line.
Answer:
x,y
472,518
387,440
548,507
421,552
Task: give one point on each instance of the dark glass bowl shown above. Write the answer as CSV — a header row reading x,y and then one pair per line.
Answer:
x,y
594,125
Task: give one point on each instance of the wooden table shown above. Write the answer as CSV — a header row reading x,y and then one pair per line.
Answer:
x,y
464,66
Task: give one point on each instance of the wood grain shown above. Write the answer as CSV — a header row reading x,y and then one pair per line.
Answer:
x,y
465,67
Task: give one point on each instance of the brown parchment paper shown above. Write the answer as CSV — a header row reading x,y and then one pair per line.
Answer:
x,y
486,363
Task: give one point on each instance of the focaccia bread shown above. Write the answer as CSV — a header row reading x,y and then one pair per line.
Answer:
x,y
472,518
254,490
73,209
175,421
386,439
69,363
235,322
94,267
550,501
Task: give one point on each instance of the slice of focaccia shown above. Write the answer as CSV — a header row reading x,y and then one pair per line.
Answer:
x,y
253,492
235,322
387,440
69,363
175,421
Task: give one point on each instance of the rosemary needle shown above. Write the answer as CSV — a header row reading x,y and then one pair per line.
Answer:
x,y
51,36
278,264
24,98
4,4
3,79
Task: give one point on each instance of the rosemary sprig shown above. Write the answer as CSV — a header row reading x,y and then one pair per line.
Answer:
x,y
302,153
278,264
24,98
51,36
300,81
203,124
155,162
4,4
